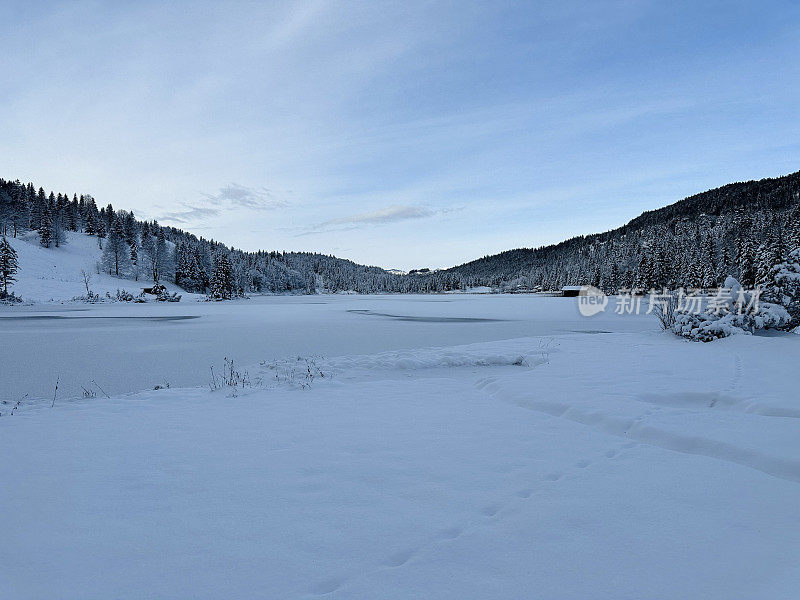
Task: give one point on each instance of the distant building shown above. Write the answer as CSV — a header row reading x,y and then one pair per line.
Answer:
x,y
571,290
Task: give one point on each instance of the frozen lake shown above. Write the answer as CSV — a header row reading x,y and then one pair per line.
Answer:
x,y
132,347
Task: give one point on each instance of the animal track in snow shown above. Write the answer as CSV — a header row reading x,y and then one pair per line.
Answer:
x,y
490,510
450,533
398,559
327,586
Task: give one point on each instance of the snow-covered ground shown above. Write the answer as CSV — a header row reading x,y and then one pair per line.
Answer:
x,y
54,274
457,447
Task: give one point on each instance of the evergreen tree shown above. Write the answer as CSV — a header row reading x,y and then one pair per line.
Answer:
x,y
644,274
707,263
745,261
794,235
149,249
101,231
37,208
57,235
222,282
116,257
163,257
8,265
6,211
46,227
131,229
134,262
767,256
783,286
90,224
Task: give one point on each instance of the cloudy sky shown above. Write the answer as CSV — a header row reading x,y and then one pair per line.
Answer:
x,y
402,134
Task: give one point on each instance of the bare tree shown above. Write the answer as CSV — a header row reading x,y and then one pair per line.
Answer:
x,y
665,308
87,279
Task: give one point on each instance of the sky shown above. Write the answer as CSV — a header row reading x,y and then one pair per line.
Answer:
x,y
399,134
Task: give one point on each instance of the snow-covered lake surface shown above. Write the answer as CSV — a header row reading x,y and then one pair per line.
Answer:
x,y
132,347
458,447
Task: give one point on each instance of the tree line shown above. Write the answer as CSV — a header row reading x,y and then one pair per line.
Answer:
x,y
741,229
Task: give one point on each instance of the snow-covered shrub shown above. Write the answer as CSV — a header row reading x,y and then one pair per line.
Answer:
x,y
298,372
783,287
731,311
89,298
165,296
126,296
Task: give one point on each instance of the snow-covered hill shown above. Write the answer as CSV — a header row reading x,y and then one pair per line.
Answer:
x,y
54,274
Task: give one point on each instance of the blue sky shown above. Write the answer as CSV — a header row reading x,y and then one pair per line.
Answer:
x,y
402,134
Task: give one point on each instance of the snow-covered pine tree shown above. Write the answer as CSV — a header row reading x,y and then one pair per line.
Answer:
x,y
158,255
116,254
793,237
134,261
707,262
644,275
783,286
100,230
655,269
109,215
37,205
74,220
6,211
187,271
196,279
8,265
149,250
131,229
745,261
163,257
46,227
181,257
612,284
222,282
90,224
58,237
21,215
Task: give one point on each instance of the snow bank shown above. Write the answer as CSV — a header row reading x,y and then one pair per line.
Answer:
x,y
526,353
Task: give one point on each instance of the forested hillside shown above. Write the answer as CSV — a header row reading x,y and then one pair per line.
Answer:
x,y
145,250
740,229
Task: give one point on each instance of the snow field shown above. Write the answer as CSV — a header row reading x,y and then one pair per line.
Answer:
x,y
620,465
54,274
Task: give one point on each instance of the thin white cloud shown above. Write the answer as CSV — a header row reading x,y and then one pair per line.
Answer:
x,y
383,216
232,195
192,214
